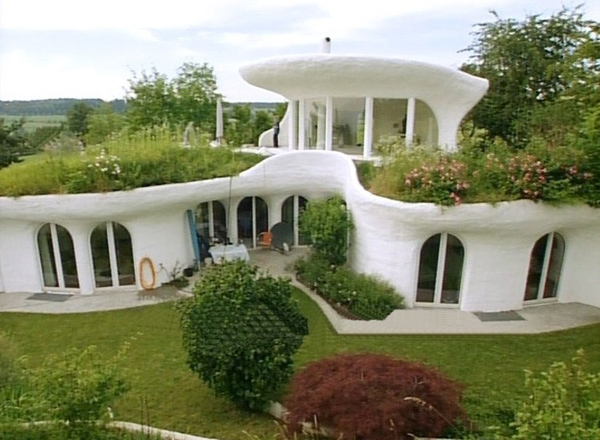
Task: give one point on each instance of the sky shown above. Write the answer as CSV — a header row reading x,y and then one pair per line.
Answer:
x,y
91,49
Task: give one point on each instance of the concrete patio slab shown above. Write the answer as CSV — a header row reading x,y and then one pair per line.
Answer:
x,y
535,319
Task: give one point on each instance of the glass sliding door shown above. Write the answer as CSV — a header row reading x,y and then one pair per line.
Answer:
x,y
253,218
290,213
57,257
348,124
545,266
314,123
440,270
211,220
112,255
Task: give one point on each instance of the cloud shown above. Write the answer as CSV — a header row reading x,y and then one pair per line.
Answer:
x,y
111,14
25,77
90,48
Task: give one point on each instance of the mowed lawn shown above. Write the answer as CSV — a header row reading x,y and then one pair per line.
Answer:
x,y
165,393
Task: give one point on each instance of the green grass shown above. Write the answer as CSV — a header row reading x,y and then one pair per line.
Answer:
x,y
143,159
167,395
33,122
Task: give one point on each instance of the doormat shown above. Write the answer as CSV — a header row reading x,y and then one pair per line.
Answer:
x,y
499,316
55,297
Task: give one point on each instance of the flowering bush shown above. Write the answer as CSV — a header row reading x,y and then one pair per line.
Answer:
x,y
106,164
527,175
444,183
492,174
102,174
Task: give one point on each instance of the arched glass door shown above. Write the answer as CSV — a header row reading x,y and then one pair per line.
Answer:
x,y
545,266
57,257
211,220
440,270
112,255
290,213
253,218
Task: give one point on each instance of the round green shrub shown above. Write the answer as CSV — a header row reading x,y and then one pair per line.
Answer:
x,y
373,397
327,223
240,331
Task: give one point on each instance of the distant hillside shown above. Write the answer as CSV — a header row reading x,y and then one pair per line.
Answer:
x,y
52,106
61,106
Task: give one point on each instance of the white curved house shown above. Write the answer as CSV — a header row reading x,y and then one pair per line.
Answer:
x,y
348,103
477,257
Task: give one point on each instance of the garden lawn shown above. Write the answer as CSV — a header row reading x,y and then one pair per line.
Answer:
x,y
165,394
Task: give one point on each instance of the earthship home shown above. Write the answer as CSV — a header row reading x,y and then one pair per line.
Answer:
x,y
475,257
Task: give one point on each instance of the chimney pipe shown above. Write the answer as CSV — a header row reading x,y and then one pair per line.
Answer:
x,y
326,45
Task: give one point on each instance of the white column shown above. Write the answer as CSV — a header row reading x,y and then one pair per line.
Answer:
x,y
430,131
254,231
301,126
57,261
274,206
410,121
368,135
292,117
83,258
232,220
211,219
329,123
296,219
112,252
321,126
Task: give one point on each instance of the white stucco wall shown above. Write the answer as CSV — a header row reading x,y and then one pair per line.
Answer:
x,y
386,241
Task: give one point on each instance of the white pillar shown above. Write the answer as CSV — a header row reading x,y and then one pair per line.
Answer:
x,y
232,220
430,131
292,118
219,131
368,135
301,125
410,121
83,258
321,124
296,219
329,123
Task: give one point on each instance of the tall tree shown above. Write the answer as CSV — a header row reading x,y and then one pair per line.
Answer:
x,y
543,73
196,91
153,99
103,122
77,119
12,142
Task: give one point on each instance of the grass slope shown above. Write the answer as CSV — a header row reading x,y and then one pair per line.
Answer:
x,y
167,395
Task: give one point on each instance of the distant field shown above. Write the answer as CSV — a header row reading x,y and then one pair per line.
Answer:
x,y
36,121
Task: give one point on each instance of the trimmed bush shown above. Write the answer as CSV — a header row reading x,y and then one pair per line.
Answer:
x,y
327,223
373,397
240,331
365,296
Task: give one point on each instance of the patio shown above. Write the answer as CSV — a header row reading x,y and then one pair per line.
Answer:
x,y
530,320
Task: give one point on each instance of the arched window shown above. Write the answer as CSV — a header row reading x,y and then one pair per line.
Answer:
x,y
112,255
253,218
290,213
57,257
545,265
440,270
211,220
